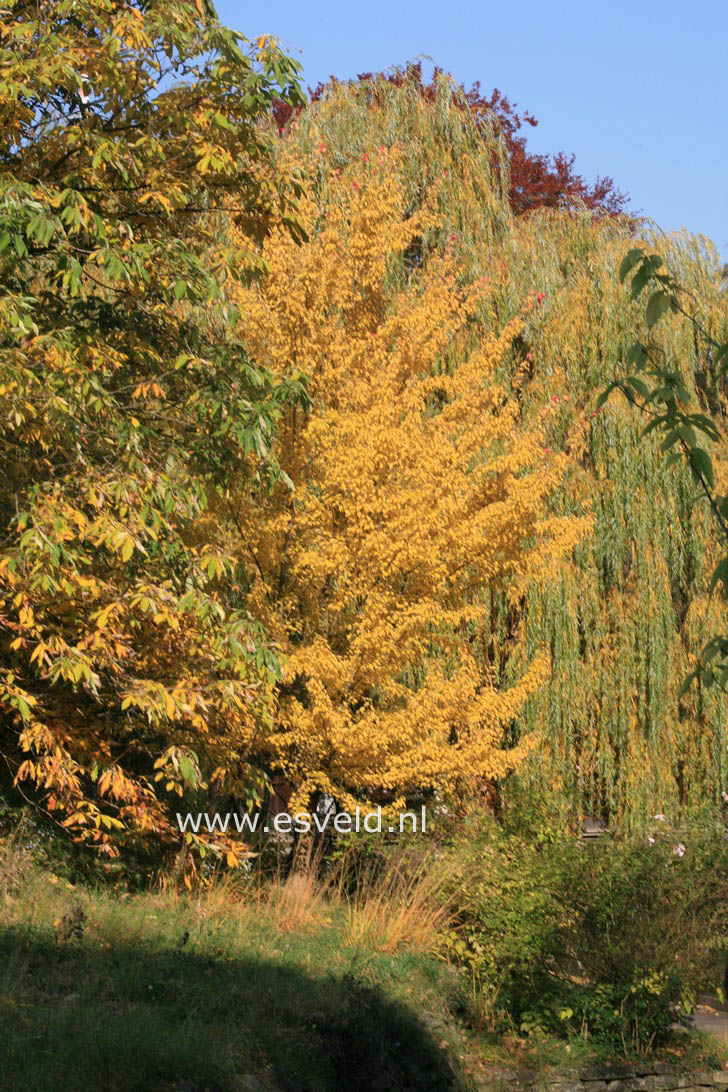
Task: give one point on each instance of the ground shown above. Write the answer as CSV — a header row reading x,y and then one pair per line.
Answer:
x,y
275,990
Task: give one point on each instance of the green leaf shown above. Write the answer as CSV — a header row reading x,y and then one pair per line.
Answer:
x,y
639,385
187,769
687,435
702,464
720,576
705,425
658,304
640,280
637,356
629,261
655,423
604,396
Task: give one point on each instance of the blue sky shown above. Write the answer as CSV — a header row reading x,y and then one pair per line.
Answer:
x,y
637,89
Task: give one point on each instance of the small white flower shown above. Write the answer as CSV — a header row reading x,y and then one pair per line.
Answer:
x,y
650,840
660,818
679,850
724,794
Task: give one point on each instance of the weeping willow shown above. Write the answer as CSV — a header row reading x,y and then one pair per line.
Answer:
x,y
629,613
626,620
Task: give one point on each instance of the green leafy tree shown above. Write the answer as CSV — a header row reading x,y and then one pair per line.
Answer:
x,y
131,146
657,388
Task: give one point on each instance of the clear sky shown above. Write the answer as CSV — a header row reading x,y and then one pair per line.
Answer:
x,y
636,89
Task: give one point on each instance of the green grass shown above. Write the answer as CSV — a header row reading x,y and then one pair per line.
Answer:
x,y
691,1052
160,992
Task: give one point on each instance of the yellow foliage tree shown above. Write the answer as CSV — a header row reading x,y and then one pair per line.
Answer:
x,y
416,494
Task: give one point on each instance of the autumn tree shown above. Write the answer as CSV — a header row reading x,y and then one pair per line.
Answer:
x,y
415,495
626,617
130,150
533,180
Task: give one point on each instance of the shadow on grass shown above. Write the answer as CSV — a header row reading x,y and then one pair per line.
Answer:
x,y
89,1017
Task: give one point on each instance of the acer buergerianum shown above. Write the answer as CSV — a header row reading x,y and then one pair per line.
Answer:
x,y
130,148
416,492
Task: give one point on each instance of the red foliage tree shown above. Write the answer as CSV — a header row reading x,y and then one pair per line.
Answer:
x,y
541,180
536,181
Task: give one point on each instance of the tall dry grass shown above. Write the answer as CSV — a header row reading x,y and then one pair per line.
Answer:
x,y
406,903
402,900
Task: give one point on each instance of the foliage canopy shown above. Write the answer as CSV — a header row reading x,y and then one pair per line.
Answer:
x,y
131,142
416,492
179,510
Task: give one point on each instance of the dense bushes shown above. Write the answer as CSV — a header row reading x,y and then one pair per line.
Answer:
x,y
607,940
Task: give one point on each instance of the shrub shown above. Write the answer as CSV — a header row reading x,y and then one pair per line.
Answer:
x,y
609,941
